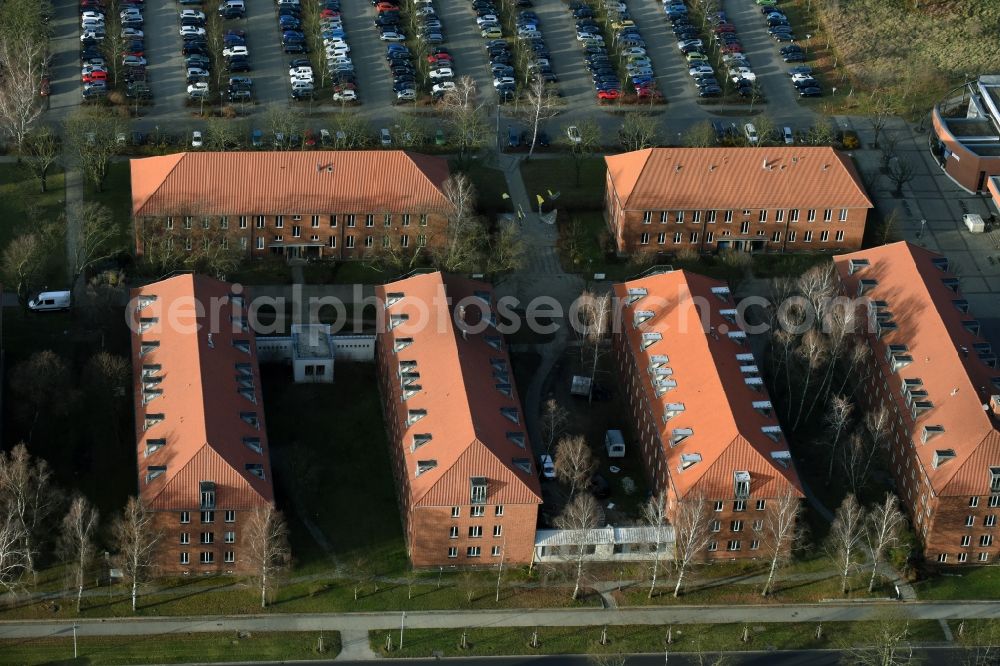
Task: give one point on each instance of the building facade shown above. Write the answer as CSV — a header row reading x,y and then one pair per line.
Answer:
x,y
938,379
315,204
201,443
966,137
699,407
466,482
766,199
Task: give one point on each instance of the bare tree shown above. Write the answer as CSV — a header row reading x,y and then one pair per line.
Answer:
x,y
781,531
596,311
574,462
13,561
582,514
691,535
76,542
846,535
539,105
356,130
98,237
24,261
700,135
26,487
814,350
881,112
885,521
361,574
855,459
465,114
654,514
506,248
265,542
587,141
137,539
887,643
465,233
554,419
818,285
639,131
224,133
901,171
40,150
837,418
22,61
840,320
43,385
92,137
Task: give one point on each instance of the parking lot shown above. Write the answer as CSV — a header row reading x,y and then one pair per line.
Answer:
x,y
762,51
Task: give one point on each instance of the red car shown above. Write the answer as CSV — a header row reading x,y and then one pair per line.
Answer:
x,y
97,75
725,27
386,7
647,93
442,58
732,48
608,94
329,13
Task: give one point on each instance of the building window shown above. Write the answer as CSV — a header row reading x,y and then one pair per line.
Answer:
x,y
734,545
713,546
243,221
824,236
736,526
368,241
185,538
984,557
230,556
259,221
986,540
793,215
296,231
454,512
207,537
229,537
185,558
710,217
333,241
187,221
839,236
453,552
333,220
423,219
350,221
716,526
207,557
807,237
758,525
369,220
740,505
421,240
453,532
754,545
644,239
974,502
499,510
696,216
207,516
404,241
966,541
779,216
477,511
230,516
661,238
718,506
791,236
693,237
762,216
811,215
729,216
647,217
495,552
475,531
406,219
709,236
843,215
942,557
498,530
761,504
970,521
827,215
260,242
478,486
350,242
472,551
279,221
185,517
990,520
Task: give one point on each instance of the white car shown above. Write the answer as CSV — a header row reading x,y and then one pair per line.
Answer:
x,y
690,42
441,73
302,86
197,72
300,71
640,71
196,88
389,36
90,34
301,79
196,141
130,13
92,16
407,94
345,96
701,69
487,19
573,134
131,33
339,60
503,81
802,77
442,87
192,13
425,10
547,466
337,42
230,51
191,31
742,73
90,69
384,137
133,61
633,51
751,133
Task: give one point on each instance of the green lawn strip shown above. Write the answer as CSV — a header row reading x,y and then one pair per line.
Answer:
x,y
959,583
489,641
171,648
22,203
559,175
975,632
786,591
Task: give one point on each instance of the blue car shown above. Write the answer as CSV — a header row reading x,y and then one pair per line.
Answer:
x,y
234,40
333,34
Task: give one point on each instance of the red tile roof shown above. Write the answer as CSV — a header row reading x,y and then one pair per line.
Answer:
x,y
288,182
909,281
200,403
695,349
457,386
736,178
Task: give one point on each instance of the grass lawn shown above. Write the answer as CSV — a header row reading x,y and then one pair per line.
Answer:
x,y
170,648
117,196
490,186
23,207
489,641
559,175
956,583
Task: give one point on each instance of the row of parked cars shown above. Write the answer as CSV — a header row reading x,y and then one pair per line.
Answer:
x,y
529,32
627,43
400,60
780,29
94,54
497,49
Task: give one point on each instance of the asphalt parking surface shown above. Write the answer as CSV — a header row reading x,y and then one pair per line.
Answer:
x,y
269,64
559,32
463,41
669,66
367,54
164,60
64,65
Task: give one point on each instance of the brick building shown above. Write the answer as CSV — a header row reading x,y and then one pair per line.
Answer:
x,y
466,482
766,199
314,204
201,445
699,407
938,377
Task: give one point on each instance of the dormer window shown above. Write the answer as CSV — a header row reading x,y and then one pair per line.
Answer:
x,y
523,464
256,469
634,294
478,489
516,437
678,435
151,420
930,431
749,369
741,483
145,300
951,283
414,415
148,346
150,369
650,338
940,263
244,370
150,394
505,389
494,341
409,391
498,364
250,418
739,337
511,413
154,471
961,305
855,265
995,479
253,443
640,316
774,432
419,440
242,345
658,361
483,295
764,407
672,409
393,297
722,293
407,366
207,495
407,378
146,323
941,456
400,344
866,285
689,460
921,406
397,319
783,458
756,383
971,325
425,466
729,315
154,445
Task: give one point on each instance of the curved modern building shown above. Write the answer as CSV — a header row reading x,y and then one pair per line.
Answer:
x,y
967,135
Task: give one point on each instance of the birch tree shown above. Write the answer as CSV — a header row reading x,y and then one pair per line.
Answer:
x,y
40,153
781,531
639,131
554,418
654,514
26,488
583,514
885,521
98,237
137,538
847,533
265,543
13,564
464,234
837,418
574,463
597,314
22,60
887,643
813,350
538,106
505,249
76,542
466,116
691,535
840,323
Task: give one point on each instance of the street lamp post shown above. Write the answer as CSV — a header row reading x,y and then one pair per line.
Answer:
x,y
402,624
923,223
74,640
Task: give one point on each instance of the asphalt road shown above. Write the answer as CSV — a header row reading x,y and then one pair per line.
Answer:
x,y
64,66
269,63
165,62
465,43
367,54
558,30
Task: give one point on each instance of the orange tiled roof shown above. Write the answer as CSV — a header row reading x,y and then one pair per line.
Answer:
x,y
944,357
200,402
698,349
457,386
288,182
736,178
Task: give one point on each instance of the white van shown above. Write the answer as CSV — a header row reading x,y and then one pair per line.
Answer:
x,y
614,443
50,300
751,134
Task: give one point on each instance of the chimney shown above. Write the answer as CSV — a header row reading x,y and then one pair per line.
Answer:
x,y
764,166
